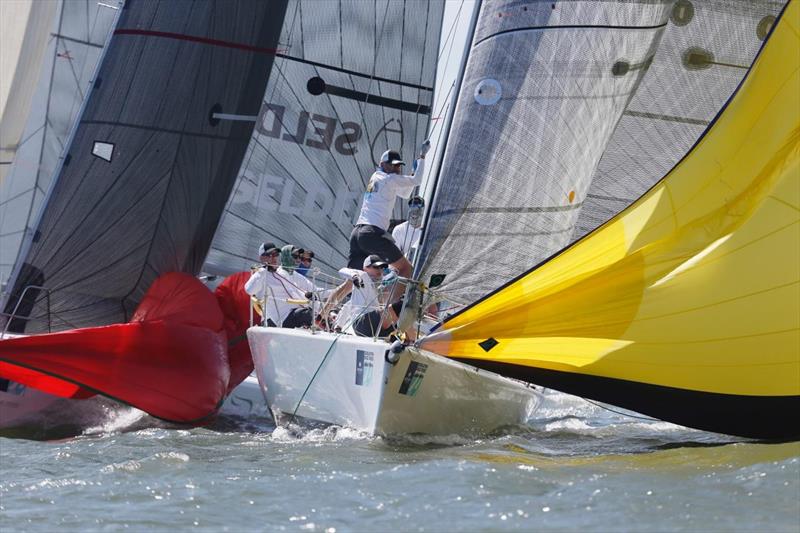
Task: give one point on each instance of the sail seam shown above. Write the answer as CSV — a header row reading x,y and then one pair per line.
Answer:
x,y
511,234
544,209
160,130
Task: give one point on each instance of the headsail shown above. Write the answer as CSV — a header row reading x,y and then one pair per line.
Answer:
x,y
152,160
75,41
686,306
351,79
544,86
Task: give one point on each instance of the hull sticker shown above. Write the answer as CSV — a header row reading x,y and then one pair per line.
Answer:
x,y
364,364
413,378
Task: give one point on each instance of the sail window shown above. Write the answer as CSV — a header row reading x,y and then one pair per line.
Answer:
x,y
436,280
488,92
103,150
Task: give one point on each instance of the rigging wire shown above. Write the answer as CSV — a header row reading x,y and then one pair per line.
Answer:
x,y
449,49
324,358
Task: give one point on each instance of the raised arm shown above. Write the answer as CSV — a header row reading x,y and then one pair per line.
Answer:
x,y
333,300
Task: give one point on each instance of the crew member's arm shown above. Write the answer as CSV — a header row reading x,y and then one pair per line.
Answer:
x,y
254,285
333,300
407,183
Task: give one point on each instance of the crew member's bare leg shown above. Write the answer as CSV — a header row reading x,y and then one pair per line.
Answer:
x,y
404,269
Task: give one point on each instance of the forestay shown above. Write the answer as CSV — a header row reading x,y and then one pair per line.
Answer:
x,y
351,79
152,160
74,37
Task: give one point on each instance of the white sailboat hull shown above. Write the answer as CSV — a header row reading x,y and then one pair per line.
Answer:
x,y
346,380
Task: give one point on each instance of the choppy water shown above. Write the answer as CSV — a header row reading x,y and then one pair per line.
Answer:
x,y
576,467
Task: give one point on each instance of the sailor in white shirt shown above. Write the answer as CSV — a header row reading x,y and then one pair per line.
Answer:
x,y
408,233
364,313
268,283
370,236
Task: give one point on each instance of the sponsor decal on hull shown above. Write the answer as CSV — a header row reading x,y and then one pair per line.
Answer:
x,y
364,365
412,381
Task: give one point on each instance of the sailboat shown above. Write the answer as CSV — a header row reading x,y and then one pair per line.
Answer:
x,y
333,378
105,279
342,141
682,306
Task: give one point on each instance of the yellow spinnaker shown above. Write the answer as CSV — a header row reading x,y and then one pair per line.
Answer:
x,y
691,296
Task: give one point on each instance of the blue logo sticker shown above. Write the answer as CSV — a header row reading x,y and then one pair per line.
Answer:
x,y
364,365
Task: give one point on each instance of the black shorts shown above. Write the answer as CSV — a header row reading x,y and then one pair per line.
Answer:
x,y
367,324
298,317
366,240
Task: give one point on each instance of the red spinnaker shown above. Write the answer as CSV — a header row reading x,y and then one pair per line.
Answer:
x,y
235,305
171,360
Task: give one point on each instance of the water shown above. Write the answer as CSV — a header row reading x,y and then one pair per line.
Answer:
x,y
576,467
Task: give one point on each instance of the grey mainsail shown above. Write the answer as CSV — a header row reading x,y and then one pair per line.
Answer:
x,y
552,140
544,86
705,52
352,79
75,41
151,162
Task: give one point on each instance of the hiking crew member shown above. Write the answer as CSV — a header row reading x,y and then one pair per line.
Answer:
x,y
370,236
282,289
